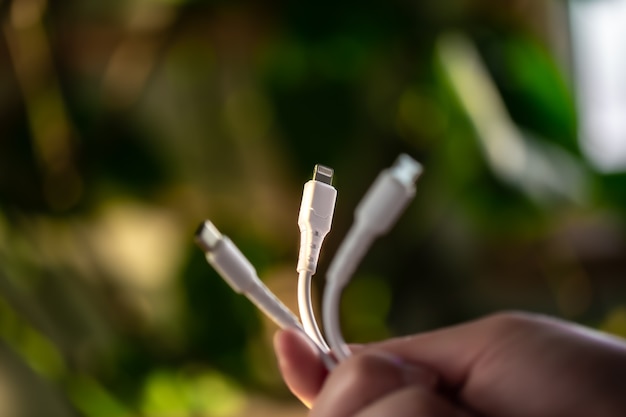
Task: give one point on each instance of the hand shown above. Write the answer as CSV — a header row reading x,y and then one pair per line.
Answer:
x,y
505,365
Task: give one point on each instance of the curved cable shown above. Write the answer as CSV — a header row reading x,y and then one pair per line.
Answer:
x,y
330,315
307,315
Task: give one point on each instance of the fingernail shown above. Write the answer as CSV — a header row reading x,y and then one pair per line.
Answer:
x,y
280,343
307,341
278,347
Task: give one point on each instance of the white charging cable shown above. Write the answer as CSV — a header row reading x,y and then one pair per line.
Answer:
x,y
315,219
375,215
239,273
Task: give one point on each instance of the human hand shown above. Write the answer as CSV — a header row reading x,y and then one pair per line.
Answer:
x,y
505,365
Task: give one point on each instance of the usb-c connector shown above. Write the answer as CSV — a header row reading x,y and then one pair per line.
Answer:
x,y
375,215
239,273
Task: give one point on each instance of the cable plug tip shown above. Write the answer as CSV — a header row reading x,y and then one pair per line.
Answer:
x,y
406,170
323,174
207,236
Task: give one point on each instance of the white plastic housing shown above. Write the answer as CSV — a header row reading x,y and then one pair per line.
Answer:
x,y
315,219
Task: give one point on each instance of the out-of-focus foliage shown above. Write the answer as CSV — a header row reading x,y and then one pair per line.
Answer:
x,y
123,124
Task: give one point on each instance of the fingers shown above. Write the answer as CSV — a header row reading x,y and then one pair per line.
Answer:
x,y
365,378
412,401
455,351
514,364
506,365
301,367
371,383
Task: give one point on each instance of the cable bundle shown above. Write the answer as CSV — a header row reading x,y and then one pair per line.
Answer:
x,y
377,212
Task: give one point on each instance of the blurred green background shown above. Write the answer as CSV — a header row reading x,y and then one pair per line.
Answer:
x,y
124,124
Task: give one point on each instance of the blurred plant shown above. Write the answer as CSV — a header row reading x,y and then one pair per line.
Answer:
x,y
124,124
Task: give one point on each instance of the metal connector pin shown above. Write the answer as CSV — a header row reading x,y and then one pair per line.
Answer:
x,y
323,174
207,236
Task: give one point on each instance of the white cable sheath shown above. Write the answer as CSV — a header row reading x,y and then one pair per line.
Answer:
x,y
375,215
307,315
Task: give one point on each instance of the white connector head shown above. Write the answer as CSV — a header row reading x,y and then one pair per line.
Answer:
x,y
375,214
388,196
239,273
226,258
207,236
315,217
406,170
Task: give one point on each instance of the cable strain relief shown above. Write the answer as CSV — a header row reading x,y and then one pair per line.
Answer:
x,y
309,254
303,266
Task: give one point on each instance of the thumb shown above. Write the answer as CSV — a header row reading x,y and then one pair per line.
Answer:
x,y
364,379
300,364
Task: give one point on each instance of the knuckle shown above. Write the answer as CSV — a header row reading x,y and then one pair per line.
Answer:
x,y
512,319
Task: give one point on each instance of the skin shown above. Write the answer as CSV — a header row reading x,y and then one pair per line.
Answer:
x,y
505,365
